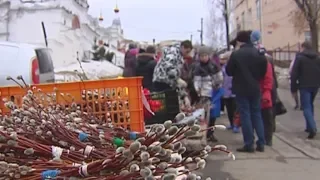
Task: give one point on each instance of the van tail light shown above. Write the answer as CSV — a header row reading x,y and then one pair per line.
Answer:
x,y
35,71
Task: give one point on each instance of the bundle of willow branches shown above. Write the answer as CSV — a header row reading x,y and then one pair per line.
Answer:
x,y
46,141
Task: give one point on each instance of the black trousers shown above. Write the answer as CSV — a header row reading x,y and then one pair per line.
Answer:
x,y
268,121
230,104
222,104
159,86
211,122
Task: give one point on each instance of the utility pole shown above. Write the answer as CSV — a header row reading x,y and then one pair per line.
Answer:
x,y
201,32
226,18
191,36
260,18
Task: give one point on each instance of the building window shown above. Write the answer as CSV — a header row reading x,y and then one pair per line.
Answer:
x,y
243,21
249,19
307,36
258,7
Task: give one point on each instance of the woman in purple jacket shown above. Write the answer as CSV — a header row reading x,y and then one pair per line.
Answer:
x,y
228,97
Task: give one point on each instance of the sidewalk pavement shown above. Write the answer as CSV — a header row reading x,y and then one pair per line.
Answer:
x,y
281,161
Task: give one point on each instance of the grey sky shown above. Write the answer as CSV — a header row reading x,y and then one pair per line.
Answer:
x,y
159,19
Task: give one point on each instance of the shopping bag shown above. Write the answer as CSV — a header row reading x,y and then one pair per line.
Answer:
x,y
215,102
280,109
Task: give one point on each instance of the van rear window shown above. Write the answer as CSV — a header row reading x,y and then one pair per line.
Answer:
x,y
45,61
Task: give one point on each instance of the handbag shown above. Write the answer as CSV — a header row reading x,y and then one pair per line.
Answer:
x,y
280,109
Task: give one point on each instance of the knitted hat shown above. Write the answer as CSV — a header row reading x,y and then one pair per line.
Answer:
x,y
255,36
203,50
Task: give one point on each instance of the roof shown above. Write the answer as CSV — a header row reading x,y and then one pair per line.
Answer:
x,y
23,45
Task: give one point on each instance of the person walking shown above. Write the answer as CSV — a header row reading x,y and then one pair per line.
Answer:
x,y
295,95
206,77
145,66
247,68
265,86
304,77
228,97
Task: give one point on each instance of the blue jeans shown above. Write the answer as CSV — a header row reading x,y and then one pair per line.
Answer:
x,y
251,119
307,96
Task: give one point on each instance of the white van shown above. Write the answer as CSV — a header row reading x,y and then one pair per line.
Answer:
x,y
33,63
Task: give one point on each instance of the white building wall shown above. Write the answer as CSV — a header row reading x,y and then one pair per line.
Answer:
x,y
24,25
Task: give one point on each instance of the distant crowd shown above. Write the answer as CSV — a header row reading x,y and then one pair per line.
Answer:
x,y
243,80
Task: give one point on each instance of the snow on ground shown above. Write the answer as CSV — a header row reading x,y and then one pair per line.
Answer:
x,y
93,69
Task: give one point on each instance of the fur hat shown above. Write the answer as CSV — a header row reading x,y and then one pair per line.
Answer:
x,y
243,36
204,50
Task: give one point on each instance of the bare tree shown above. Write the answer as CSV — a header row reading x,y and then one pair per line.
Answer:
x,y
215,25
307,15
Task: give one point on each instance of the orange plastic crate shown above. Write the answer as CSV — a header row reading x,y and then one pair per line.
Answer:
x,y
115,99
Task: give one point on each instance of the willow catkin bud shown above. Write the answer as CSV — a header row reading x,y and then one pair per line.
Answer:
x,y
28,151
144,156
120,150
173,130
39,133
182,150
177,146
14,136
169,177
191,122
145,172
146,163
2,139
155,160
12,143
72,148
124,172
172,171
167,124
192,176
63,143
164,138
141,140
156,149
195,128
127,153
150,178
201,164
134,147
197,159
189,133
143,148
160,129
208,148
163,152
134,168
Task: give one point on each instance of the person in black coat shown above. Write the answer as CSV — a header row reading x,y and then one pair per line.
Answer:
x,y
247,67
145,66
305,77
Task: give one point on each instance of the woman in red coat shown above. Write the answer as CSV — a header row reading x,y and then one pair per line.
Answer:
x,y
266,85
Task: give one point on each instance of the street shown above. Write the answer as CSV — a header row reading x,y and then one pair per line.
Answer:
x,y
291,157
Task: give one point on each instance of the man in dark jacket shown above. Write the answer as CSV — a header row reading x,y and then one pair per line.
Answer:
x,y
247,67
145,67
305,77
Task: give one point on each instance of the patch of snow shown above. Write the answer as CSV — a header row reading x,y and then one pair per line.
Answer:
x,y
94,70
